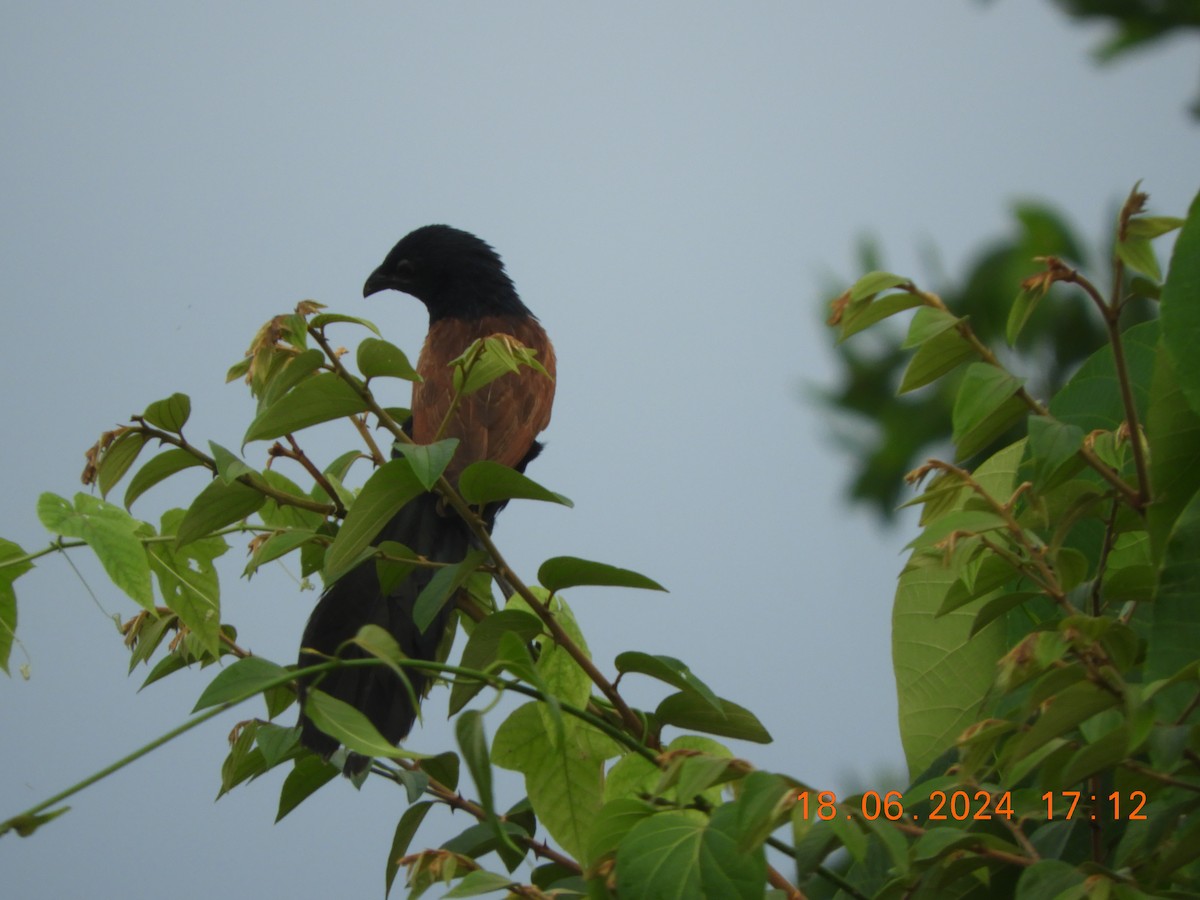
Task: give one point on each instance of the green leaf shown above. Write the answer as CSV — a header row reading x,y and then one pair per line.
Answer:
x,y
934,358
1150,227
1021,311
730,865
472,742
1097,756
667,669
27,824
170,414
117,458
1173,433
10,571
243,679
1091,400
391,486
320,398
928,323
985,407
1180,307
490,358
1049,879
309,773
428,461
216,506
348,726
760,808
324,319
562,572
110,532
188,582
660,857
487,481
612,824
481,649
406,829
442,586
157,469
1175,629
942,671
229,466
874,282
1060,714
862,314
690,711
289,374
1051,444
563,778
479,882
277,545
379,358
1138,254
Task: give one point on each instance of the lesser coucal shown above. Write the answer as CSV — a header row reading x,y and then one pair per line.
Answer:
x,y
463,285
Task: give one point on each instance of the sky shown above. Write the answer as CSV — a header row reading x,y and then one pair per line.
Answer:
x,y
673,186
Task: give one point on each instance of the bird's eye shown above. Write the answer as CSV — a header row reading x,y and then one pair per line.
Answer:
x,y
405,269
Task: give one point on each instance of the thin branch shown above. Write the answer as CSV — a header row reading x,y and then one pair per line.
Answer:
x,y
297,454
360,422
256,481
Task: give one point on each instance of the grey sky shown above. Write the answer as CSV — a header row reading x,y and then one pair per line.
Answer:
x,y
670,185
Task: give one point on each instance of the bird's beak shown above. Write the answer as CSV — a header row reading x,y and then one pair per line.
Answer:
x,y
379,280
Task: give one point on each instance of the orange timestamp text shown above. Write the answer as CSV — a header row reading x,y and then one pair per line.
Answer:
x,y
964,805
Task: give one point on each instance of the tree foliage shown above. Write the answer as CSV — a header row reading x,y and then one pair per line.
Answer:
x,y
1046,645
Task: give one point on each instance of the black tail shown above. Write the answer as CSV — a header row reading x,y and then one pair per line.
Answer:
x,y
355,600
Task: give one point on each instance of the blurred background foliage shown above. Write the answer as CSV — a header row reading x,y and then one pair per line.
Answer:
x,y
886,436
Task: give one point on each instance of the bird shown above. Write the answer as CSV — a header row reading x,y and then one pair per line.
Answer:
x,y
463,284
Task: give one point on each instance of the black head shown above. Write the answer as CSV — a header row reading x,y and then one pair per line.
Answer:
x,y
454,273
